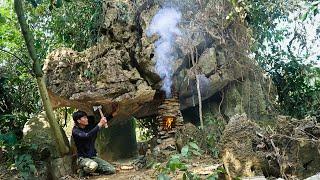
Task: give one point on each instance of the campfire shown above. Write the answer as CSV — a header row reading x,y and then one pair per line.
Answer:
x,y
168,122
169,115
169,118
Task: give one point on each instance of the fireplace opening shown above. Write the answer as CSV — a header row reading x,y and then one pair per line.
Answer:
x,y
168,122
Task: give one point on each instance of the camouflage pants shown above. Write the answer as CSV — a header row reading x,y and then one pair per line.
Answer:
x,y
94,164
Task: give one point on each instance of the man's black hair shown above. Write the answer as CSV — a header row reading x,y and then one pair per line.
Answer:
x,y
77,115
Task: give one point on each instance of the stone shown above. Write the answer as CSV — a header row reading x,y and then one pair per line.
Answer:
x,y
60,167
121,67
37,131
238,157
248,151
207,61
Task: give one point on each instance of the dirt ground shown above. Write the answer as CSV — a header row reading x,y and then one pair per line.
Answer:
x,y
203,167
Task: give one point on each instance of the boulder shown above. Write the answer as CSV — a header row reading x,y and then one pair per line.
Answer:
x,y
121,67
37,131
237,153
290,150
49,165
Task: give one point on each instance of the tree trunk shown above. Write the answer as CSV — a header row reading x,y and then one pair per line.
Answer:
x,y
199,100
62,147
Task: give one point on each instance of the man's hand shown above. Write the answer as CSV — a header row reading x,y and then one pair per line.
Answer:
x,y
103,122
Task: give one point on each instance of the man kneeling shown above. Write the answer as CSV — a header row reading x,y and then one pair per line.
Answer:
x,y
84,138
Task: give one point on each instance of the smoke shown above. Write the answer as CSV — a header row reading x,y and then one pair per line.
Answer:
x,y
164,23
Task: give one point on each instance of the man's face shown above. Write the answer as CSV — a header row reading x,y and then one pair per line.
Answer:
x,y
83,121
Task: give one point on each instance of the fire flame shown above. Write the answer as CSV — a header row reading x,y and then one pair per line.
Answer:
x,y
168,121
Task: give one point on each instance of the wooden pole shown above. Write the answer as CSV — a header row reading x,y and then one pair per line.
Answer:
x,y
200,100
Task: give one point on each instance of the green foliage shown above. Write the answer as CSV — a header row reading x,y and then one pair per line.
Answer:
x,y
173,164
18,90
25,166
216,173
8,139
298,87
176,162
191,149
190,176
73,24
24,160
212,145
88,74
284,52
162,176
148,128
312,10
216,128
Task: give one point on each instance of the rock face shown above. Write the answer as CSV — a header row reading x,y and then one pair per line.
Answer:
x,y
121,67
291,150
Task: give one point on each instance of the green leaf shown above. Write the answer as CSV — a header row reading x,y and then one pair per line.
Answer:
x,y
2,19
214,176
34,147
315,11
32,168
184,177
304,16
163,177
197,153
33,3
185,150
194,145
234,2
58,3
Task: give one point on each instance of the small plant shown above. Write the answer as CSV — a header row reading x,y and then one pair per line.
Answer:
x,y
191,149
174,163
211,143
25,166
190,176
214,135
216,173
88,74
24,161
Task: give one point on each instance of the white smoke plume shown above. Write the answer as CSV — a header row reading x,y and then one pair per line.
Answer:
x,y
164,23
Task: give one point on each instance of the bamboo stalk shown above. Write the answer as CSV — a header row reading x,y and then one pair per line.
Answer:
x,y
62,147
